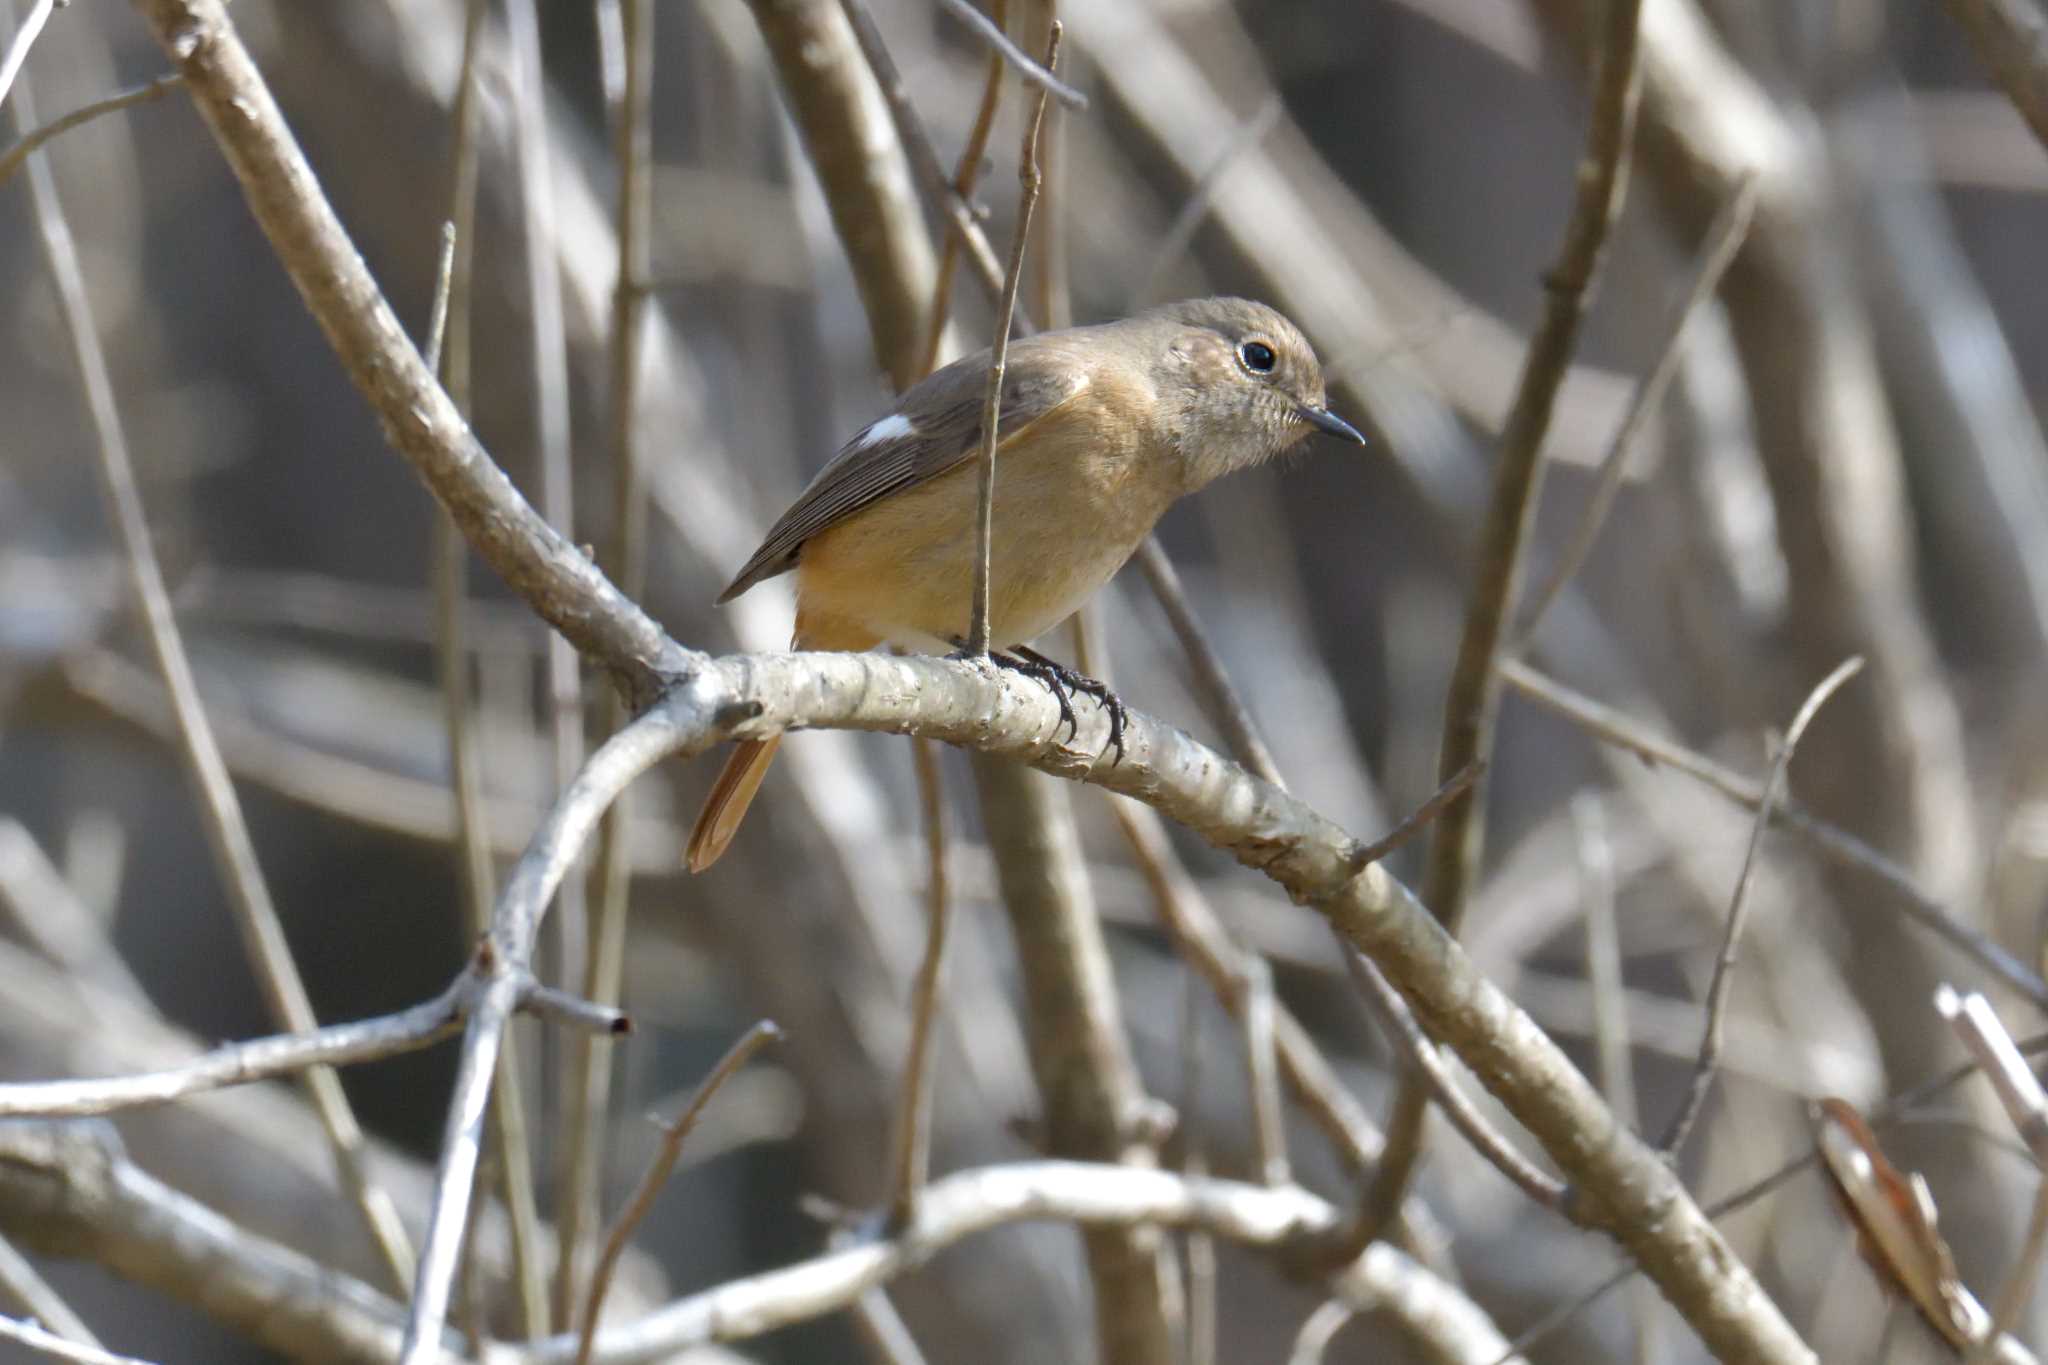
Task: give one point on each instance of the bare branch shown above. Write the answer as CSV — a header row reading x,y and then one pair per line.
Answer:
x,y
1472,705
27,1289
947,200
959,1206
14,157
838,107
1738,908
1724,238
556,578
641,1202
912,1157
589,1081
1832,842
502,967
39,12
233,849
2009,36
1028,180
34,1338
1040,76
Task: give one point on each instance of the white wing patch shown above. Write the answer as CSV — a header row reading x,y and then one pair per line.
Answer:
x,y
891,428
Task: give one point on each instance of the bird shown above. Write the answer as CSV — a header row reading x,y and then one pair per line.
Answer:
x,y
1099,430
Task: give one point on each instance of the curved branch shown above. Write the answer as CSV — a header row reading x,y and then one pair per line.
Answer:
x,y
961,1205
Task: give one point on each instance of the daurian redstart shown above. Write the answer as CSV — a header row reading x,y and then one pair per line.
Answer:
x,y
1100,430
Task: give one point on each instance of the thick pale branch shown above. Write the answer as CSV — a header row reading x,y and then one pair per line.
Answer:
x,y
1092,1195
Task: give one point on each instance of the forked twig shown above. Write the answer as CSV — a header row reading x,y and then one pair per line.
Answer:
x,y
1738,911
1615,727
673,1136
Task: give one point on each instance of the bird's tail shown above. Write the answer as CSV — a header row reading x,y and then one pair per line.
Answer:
x,y
730,796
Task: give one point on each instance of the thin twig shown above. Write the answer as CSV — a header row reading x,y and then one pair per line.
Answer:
x,y
548,348
1725,236
966,174
883,1329
1199,1338
673,1136
1738,912
1474,695
556,579
942,197
27,1289
1043,77
1318,1330
2011,38
1269,1122
448,355
1399,1021
1194,210
1418,819
1052,276
1611,1046
1472,703
34,1338
12,159
991,408
590,1081
914,1114
288,1054
1837,845
2018,1288
504,963
39,12
1219,696
54,919
1896,1109
2019,1091
234,851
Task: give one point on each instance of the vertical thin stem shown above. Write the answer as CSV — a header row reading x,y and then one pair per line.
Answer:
x,y
1472,704
1029,181
591,1072
914,1117
234,851
966,174
450,359
549,345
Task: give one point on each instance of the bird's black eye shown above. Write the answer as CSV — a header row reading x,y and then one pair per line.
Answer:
x,y
1258,357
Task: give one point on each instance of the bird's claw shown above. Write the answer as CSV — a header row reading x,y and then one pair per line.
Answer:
x,y
1061,681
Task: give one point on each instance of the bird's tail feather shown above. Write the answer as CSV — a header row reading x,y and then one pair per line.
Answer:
x,y
730,796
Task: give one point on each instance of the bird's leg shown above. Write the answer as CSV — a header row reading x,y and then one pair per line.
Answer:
x,y
1058,677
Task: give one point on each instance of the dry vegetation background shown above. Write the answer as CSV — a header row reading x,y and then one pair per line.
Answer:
x,y
1847,461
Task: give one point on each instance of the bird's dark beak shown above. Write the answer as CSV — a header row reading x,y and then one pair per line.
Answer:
x,y
1322,419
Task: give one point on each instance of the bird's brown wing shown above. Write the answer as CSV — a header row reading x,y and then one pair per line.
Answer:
x,y
935,427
